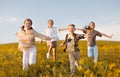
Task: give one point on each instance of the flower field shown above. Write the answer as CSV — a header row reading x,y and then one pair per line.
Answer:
x,y
108,64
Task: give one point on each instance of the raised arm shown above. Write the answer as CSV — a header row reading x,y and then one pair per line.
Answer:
x,y
107,35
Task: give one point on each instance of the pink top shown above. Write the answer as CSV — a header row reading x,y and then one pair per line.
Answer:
x,y
27,40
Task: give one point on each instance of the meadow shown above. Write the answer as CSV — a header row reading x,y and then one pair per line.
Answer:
x,y
108,64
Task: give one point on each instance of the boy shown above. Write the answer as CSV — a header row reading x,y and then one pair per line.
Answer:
x,y
52,33
71,43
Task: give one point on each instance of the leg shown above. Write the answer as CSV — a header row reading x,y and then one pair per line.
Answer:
x,y
49,49
32,56
95,54
25,59
54,48
54,54
77,58
90,51
72,63
49,44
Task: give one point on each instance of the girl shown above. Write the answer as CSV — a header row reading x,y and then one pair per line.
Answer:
x,y
91,34
27,43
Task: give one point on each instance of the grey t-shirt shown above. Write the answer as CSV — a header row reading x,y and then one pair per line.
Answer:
x,y
91,36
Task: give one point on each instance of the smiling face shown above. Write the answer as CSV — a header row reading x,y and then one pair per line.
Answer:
x,y
71,28
50,23
27,24
92,25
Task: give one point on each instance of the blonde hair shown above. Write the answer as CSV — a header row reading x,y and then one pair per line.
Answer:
x,y
93,23
72,25
51,20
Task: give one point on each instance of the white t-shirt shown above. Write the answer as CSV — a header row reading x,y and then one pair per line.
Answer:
x,y
52,33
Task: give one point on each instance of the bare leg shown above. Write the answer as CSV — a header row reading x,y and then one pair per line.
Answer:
x,y
54,54
49,50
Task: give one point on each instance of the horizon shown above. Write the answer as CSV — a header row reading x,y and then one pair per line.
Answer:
x,y
61,40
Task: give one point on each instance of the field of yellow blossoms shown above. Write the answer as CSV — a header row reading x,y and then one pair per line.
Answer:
x,y
108,64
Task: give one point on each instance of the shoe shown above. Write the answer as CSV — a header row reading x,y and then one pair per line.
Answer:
x,y
48,55
72,75
76,64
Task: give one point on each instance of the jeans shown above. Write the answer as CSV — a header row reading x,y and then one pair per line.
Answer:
x,y
93,52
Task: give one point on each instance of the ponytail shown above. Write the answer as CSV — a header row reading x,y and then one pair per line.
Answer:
x,y
22,28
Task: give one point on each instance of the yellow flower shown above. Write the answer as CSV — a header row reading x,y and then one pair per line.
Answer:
x,y
92,75
117,72
112,66
48,66
80,68
47,76
87,71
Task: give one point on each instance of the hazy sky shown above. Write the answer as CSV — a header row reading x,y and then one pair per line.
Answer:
x,y
105,13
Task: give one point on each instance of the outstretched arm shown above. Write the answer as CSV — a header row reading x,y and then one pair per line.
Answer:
x,y
62,29
42,36
79,29
107,35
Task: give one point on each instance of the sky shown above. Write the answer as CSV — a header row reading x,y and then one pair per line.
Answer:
x,y
105,14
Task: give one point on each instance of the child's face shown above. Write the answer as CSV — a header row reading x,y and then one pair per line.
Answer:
x,y
92,26
27,24
71,29
50,24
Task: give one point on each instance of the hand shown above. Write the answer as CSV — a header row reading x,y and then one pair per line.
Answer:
x,y
40,42
111,36
61,45
79,29
17,34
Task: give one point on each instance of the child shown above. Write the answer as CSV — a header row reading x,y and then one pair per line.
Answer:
x,y
71,43
91,34
52,33
27,43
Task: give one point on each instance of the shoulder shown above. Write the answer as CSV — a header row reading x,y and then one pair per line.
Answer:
x,y
97,31
55,28
75,34
85,30
21,32
67,35
33,31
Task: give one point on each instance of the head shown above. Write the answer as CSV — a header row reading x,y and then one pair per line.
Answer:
x,y
92,25
50,23
71,28
27,24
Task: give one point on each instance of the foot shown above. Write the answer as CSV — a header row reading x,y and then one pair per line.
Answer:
x,y
72,75
48,55
76,64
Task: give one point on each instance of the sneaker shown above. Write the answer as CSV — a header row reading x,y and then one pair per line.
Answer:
x,y
72,75
76,64
48,55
